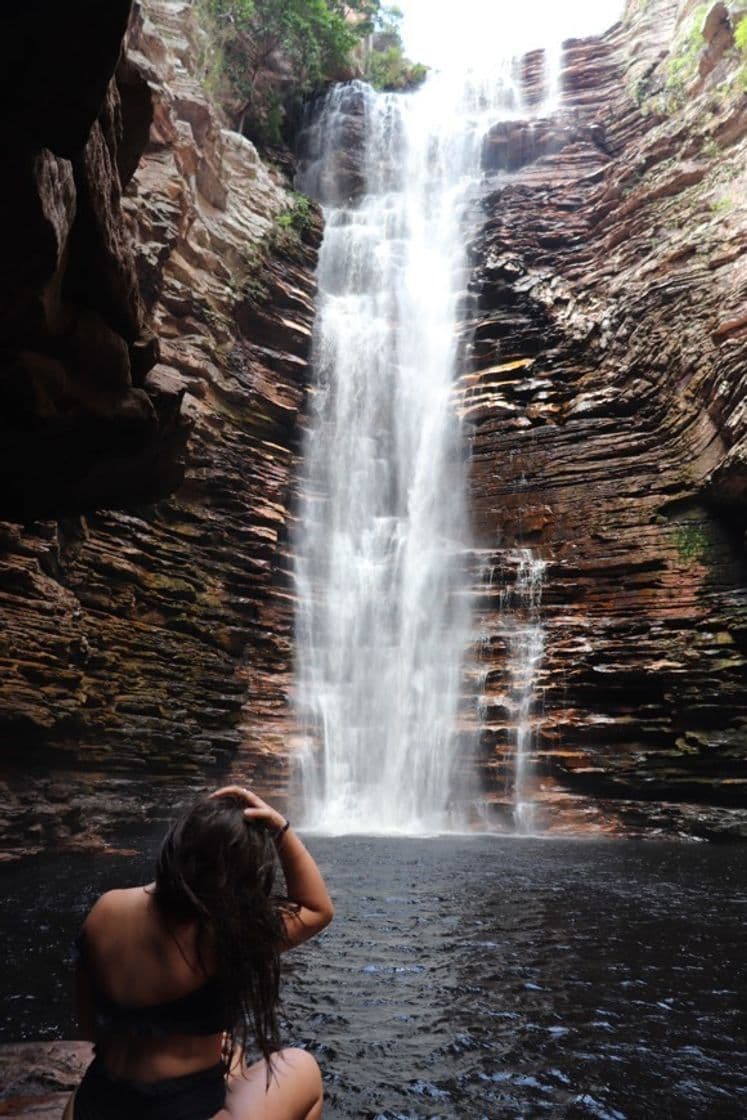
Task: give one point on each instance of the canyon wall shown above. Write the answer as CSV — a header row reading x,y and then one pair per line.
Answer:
x,y
159,346
142,641
604,401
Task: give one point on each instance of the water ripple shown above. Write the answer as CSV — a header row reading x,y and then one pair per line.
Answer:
x,y
475,979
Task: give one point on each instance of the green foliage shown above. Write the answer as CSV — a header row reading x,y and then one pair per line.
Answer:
x,y
692,543
255,289
740,35
682,66
224,21
238,12
298,218
390,70
312,35
255,41
252,45
640,90
387,67
268,114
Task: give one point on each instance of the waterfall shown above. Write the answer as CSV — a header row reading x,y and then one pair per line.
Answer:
x,y
383,619
525,638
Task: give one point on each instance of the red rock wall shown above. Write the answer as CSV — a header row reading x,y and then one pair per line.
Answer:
x,y
604,396
132,641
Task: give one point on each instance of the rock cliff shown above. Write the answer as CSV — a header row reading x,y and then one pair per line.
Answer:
x,y
183,303
604,399
158,289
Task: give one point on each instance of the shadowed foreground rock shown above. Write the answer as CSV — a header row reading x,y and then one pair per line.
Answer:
x,y
36,1078
79,427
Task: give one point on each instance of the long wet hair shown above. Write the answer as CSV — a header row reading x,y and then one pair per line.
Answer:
x,y
218,869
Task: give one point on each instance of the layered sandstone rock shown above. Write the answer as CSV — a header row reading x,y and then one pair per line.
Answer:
x,y
131,640
604,395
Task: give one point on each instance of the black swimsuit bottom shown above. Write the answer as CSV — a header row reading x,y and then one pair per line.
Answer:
x,y
196,1096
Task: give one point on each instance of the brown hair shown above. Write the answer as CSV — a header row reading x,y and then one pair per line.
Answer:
x,y
219,869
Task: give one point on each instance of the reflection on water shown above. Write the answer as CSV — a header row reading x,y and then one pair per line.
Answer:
x,y
477,977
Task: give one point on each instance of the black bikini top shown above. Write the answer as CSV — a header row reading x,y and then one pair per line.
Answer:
x,y
200,1012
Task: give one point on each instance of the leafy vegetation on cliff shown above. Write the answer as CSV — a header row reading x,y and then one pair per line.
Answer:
x,y
263,52
390,69
683,65
387,66
704,44
740,35
740,41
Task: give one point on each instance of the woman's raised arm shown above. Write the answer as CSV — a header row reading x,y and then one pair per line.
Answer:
x,y
304,883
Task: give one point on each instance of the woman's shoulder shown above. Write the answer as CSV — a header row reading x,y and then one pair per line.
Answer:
x,y
119,928
137,957
112,906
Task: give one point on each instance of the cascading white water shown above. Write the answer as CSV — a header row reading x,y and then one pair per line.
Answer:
x,y
520,611
383,620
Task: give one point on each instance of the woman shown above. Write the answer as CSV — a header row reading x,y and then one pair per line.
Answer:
x,y
174,977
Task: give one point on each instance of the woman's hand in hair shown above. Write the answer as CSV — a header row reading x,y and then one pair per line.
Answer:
x,y
256,809
303,879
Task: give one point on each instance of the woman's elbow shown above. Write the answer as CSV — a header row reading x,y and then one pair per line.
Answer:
x,y
324,916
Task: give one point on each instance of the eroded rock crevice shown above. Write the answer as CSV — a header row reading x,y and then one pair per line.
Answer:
x,y
79,429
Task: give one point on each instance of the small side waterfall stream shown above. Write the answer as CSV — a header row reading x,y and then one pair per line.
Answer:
x,y
520,605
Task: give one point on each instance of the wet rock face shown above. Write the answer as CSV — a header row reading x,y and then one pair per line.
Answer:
x,y
78,427
510,145
141,649
605,393
334,164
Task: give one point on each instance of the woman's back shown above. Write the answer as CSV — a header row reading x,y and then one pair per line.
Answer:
x,y
147,998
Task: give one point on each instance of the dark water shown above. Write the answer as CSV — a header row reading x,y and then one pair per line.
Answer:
x,y
476,977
